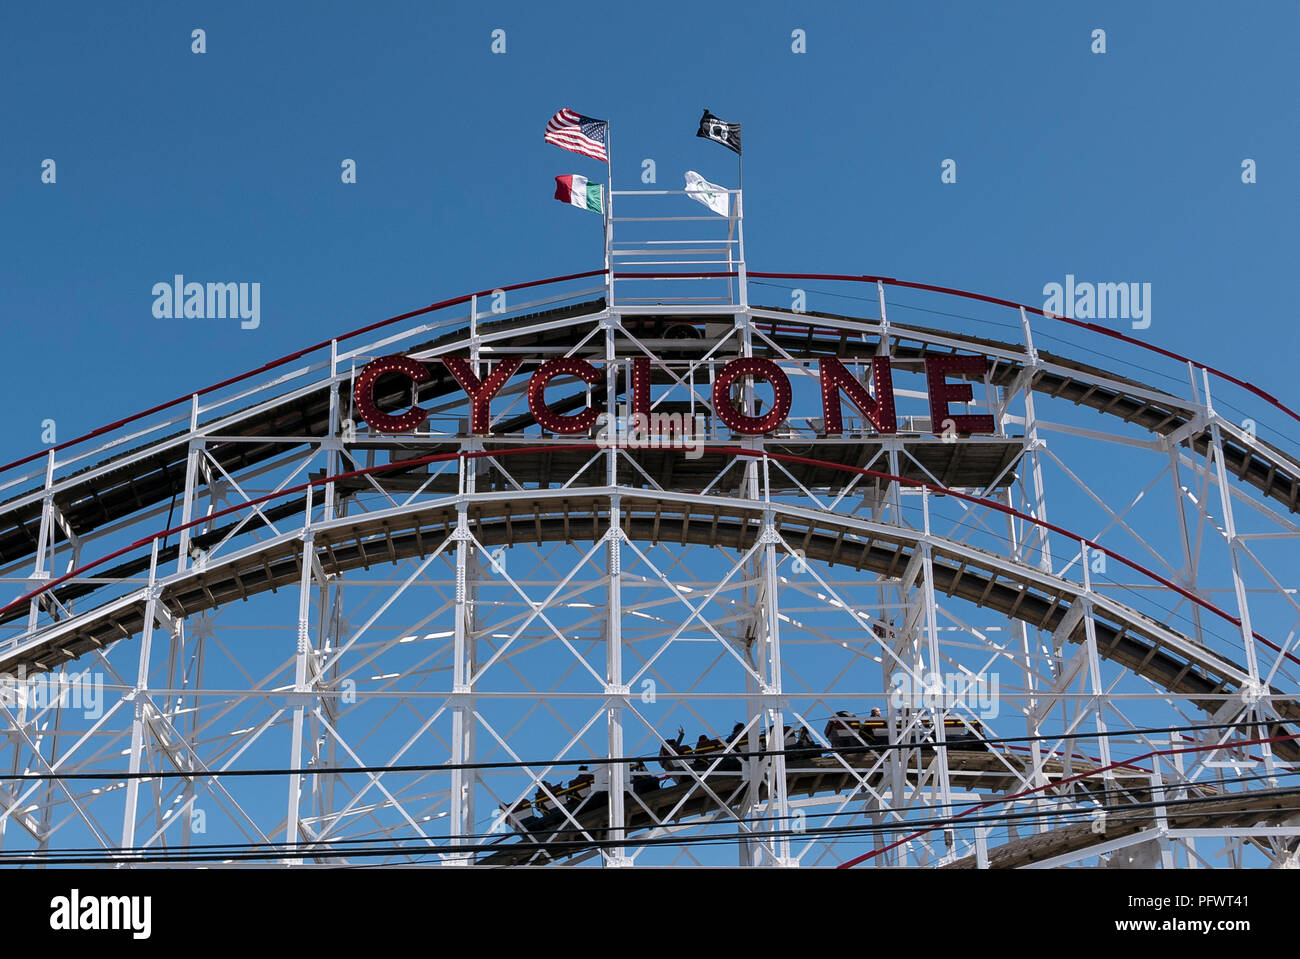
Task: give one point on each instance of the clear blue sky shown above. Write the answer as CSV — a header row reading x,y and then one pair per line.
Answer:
x,y
226,166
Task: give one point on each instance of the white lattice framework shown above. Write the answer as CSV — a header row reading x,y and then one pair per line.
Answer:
x,y
434,629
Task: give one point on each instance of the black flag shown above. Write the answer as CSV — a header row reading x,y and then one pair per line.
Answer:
x,y
720,131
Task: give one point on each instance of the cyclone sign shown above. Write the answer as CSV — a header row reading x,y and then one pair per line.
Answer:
x,y
837,382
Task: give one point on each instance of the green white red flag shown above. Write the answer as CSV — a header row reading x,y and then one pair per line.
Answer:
x,y
576,189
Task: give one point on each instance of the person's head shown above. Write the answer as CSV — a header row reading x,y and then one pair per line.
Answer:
x,y
875,710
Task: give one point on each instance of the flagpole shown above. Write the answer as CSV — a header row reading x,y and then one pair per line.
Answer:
x,y
609,214
740,174
741,284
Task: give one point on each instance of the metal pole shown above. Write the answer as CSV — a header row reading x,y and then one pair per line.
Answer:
x,y
609,214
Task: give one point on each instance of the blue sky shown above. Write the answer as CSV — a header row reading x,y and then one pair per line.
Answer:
x,y
1123,166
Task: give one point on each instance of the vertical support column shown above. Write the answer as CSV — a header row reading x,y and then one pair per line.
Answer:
x,y
329,607
179,639
940,710
1256,702
48,798
40,572
331,640
1096,687
1188,572
749,851
982,833
611,326
889,597
464,782
1029,648
172,712
882,347
44,566
324,699
301,688
891,510
333,448
194,454
1036,507
462,714
1033,444
778,798
1234,552
616,691
139,696
1180,792
1161,816
202,631
201,634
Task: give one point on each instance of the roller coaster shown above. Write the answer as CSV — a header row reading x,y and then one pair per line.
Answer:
x,y
418,588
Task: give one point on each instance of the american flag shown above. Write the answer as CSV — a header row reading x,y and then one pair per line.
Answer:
x,y
577,133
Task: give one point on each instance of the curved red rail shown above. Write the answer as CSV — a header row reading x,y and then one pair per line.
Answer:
x,y
289,358
840,277
1118,764
1091,327
590,447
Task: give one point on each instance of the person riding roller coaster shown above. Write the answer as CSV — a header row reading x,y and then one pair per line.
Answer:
x,y
642,779
803,747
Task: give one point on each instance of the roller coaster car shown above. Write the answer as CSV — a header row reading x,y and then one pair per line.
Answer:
x,y
543,806
704,754
800,745
964,734
643,781
580,793
846,731
698,757
795,743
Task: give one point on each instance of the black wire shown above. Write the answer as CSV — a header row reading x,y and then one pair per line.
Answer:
x,y
421,845
526,842
626,760
1091,797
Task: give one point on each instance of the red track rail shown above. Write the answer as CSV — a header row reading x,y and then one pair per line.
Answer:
x,y
839,277
289,358
1090,327
1118,764
591,447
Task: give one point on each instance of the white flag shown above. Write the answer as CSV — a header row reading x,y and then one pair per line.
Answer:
x,y
711,195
